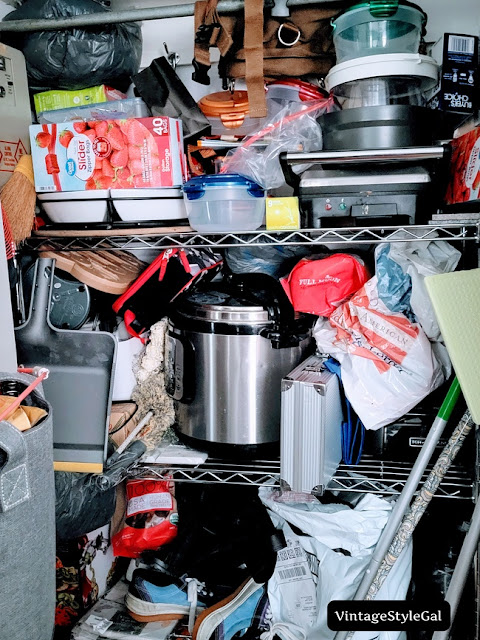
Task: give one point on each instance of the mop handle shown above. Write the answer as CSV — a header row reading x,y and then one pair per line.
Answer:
x,y
421,501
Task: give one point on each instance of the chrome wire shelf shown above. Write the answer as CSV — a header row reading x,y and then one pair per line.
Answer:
x,y
136,240
370,476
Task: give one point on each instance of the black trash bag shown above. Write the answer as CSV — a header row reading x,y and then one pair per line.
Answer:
x,y
86,501
165,94
76,58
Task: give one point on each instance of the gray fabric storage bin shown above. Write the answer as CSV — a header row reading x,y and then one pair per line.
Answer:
x,y
27,524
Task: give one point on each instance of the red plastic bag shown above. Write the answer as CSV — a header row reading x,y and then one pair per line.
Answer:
x,y
320,285
151,518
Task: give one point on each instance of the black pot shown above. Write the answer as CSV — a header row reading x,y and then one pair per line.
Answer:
x,y
381,127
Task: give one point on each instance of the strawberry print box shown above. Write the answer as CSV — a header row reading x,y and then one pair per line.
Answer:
x,y
116,154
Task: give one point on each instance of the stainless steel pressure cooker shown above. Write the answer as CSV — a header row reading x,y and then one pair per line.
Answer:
x,y
229,345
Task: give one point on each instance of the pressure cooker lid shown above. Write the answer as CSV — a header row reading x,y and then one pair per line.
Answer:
x,y
216,305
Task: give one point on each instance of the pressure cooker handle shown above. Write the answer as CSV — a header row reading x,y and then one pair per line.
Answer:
x,y
272,297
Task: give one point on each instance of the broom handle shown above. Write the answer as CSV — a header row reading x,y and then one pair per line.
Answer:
x,y
406,495
421,502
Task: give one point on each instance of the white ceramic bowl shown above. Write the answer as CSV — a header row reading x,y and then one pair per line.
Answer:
x,y
75,206
136,205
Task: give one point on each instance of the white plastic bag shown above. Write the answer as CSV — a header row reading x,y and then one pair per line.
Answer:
x,y
387,363
328,561
420,259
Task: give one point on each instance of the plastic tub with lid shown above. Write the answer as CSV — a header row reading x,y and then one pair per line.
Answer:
x,y
224,202
283,93
227,113
376,27
392,78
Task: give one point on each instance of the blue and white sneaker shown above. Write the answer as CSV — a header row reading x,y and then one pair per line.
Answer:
x,y
231,615
154,595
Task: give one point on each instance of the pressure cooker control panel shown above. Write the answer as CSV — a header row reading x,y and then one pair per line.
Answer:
x,y
174,367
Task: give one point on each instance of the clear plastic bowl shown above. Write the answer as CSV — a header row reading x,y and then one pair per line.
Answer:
x,y
224,202
358,33
373,92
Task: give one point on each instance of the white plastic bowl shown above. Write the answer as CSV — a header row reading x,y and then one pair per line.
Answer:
x,y
137,205
75,206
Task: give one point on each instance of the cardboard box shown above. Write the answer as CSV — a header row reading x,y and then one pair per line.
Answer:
x,y
458,88
464,182
117,154
52,100
282,213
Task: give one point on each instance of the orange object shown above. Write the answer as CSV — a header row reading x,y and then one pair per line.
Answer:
x,y
464,182
231,108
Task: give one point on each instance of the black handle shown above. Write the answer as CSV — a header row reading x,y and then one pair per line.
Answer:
x,y
269,293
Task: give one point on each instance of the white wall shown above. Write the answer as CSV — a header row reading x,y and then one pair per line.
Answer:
x,y
454,16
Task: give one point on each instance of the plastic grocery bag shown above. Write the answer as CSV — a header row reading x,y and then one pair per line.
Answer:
x,y
294,128
388,364
403,266
329,547
80,57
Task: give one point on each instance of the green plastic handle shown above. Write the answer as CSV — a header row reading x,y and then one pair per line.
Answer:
x,y
383,8
450,401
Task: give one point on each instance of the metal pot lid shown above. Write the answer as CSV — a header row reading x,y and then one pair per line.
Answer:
x,y
220,306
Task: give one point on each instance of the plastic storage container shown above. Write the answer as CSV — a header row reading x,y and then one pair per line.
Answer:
x,y
369,28
392,78
114,110
67,207
228,113
224,202
282,93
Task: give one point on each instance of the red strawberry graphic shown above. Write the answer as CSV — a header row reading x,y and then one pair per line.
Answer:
x,y
79,126
107,168
101,128
116,138
43,139
123,179
98,163
138,181
90,184
137,133
90,133
119,158
65,137
134,153
135,166
103,182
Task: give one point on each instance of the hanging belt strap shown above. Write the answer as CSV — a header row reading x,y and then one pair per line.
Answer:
x,y
253,45
209,32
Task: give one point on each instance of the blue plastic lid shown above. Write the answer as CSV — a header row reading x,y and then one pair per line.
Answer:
x,y
196,187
